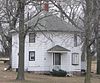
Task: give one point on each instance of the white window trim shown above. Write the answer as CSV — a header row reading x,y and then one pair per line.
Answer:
x,y
33,38
31,55
75,58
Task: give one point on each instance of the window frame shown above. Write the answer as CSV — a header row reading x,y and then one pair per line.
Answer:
x,y
32,37
75,58
31,55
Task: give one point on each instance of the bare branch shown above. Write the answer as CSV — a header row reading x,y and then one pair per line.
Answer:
x,y
66,15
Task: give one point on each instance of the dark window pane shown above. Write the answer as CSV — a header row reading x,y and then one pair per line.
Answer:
x,y
31,55
75,39
32,37
57,58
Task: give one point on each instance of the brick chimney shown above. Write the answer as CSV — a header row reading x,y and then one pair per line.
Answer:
x,y
46,6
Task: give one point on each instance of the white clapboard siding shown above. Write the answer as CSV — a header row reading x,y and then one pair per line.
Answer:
x,y
43,59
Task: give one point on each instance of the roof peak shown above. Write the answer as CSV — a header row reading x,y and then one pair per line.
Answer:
x,y
58,49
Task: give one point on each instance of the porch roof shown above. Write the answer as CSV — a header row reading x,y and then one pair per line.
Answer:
x,y
58,49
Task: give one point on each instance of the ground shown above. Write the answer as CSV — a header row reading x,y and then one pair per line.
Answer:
x,y
9,77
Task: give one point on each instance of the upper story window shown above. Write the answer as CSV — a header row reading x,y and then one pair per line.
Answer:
x,y
75,39
75,58
32,37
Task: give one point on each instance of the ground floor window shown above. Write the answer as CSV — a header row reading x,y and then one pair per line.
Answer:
x,y
31,55
75,58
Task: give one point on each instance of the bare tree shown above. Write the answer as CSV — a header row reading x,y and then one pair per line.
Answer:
x,y
12,16
8,20
20,75
88,30
96,10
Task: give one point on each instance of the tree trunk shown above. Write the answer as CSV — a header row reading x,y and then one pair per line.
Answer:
x,y
98,55
88,31
88,72
96,15
97,32
88,54
20,75
10,51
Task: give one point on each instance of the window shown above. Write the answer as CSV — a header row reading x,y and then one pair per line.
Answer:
x,y
32,37
75,58
75,39
31,55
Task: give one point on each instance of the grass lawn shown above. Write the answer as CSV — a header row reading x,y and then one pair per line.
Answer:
x,y
9,77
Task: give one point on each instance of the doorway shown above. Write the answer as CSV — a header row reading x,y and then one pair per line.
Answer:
x,y
56,58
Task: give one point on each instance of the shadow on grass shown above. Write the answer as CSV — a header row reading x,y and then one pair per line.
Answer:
x,y
24,81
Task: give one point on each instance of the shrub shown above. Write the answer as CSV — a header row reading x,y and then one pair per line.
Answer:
x,y
60,73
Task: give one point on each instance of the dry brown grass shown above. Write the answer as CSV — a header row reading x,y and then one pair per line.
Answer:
x,y
9,77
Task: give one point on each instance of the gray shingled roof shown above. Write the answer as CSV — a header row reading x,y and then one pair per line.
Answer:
x,y
52,23
58,48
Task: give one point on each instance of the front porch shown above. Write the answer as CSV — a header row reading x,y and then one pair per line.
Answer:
x,y
58,54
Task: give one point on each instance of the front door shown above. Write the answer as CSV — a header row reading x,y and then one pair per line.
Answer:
x,y
56,58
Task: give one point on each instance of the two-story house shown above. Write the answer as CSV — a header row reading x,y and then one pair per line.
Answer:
x,y
54,44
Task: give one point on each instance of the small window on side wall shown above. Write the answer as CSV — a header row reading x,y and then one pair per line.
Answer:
x,y
75,58
31,55
32,37
75,39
